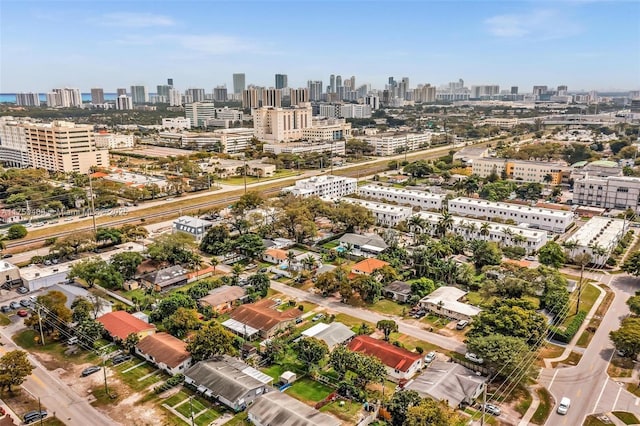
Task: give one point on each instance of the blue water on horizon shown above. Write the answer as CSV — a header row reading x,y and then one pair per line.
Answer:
x,y
86,97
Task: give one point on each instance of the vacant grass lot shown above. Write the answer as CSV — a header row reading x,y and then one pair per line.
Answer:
x,y
389,307
309,391
353,323
132,377
347,412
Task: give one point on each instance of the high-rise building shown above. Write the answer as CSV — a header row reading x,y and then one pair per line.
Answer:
x,y
170,82
514,90
27,99
120,92
13,143
272,97
562,90
64,98
539,90
139,94
332,83
281,124
315,90
175,98
353,82
250,98
197,95
200,112
424,93
65,147
299,96
163,91
281,81
124,102
338,82
484,91
97,96
373,101
220,94
238,83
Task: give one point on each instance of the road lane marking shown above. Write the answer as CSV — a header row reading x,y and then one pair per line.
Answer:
x,y
637,402
613,407
604,385
579,392
552,379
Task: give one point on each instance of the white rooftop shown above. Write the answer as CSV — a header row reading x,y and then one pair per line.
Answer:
x,y
381,207
448,297
192,221
412,192
495,227
6,266
512,207
601,231
240,327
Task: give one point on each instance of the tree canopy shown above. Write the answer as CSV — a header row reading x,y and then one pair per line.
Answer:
x,y
14,369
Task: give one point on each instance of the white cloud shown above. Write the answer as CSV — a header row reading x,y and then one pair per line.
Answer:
x,y
539,24
135,20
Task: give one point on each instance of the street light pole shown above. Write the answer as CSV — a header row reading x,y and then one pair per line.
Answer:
x,y
191,408
93,207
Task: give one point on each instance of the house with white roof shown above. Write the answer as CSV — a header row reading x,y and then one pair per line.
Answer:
x,y
445,301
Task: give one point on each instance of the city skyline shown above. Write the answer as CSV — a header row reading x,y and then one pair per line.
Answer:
x,y
587,45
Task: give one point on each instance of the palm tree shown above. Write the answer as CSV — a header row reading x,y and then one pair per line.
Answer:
x,y
309,262
291,256
214,262
519,239
485,229
445,223
582,259
236,270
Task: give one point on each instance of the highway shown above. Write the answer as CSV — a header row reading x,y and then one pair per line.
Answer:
x,y
588,384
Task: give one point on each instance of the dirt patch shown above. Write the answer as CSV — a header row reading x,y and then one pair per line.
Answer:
x,y
19,401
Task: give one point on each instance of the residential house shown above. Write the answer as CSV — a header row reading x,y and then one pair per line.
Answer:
x,y
277,408
120,324
444,301
72,292
260,319
166,352
228,380
368,266
399,291
333,334
362,245
275,256
9,216
223,298
166,278
400,363
450,382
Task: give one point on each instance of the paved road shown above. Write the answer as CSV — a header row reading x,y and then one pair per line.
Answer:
x,y
370,316
53,393
587,384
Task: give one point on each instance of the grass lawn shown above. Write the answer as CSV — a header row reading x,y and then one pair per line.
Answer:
x,y
386,306
175,399
474,298
352,322
309,391
30,340
239,180
620,367
634,389
627,418
524,404
331,244
185,407
593,421
4,320
548,350
239,419
207,417
131,377
435,321
573,359
347,412
589,295
137,293
544,409
411,343
587,335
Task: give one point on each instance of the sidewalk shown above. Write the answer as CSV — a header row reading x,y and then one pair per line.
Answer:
x,y
535,403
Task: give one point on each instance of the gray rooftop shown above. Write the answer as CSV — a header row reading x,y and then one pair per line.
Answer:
x,y
276,408
333,334
362,240
399,287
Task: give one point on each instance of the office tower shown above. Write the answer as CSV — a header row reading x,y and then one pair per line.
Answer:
x,y
97,96
139,94
332,83
315,90
238,83
424,93
124,102
120,92
373,101
162,90
65,147
281,81
353,82
272,97
539,90
27,99
392,82
250,98
196,95
170,82
64,98
484,91
514,90
299,96
220,94
175,98
281,124
200,112
562,90
338,82
13,143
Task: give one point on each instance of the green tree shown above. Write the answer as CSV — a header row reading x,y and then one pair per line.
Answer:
x,y
510,317
311,351
216,241
503,353
250,245
181,322
260,283
341,359
126,263
109,236
634,304
14,369
89,330
632,264
209,341
171,304
173,248
130,343
51,308
96,271
432,413
400,403
276,349
627,337
486,253
16,232
82,309
387,327
422,287
552,254
368,369
370,289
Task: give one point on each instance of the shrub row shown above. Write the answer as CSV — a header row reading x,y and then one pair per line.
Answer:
x,y
565,335
171,382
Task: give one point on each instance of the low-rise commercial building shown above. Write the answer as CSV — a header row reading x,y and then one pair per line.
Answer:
x,y
177,123
105,140
598,238
385,214
613,192
521,170
328,186
423,200
394,143
277,408
545,219
336,148
193,226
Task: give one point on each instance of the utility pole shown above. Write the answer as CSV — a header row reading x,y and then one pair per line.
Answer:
x,y
245,174
40,324
93,207
40,410
484,403
191,408
104,369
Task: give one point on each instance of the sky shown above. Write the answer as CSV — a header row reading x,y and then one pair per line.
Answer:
x,y
585,44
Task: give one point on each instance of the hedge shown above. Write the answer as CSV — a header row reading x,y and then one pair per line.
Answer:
x,y
565,335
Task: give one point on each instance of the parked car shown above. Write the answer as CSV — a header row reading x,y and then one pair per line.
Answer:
x,y
317,317
462,324
6,256
25,303
90,370
5,308
33,416
119,359
473,358
429,357
23,313
263,270
14,305
22,290
565,403
492,409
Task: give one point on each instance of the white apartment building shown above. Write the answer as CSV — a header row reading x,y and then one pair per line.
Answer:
x,y
113,141
229,141
327,186
62,146
200,112
391,144
613,192
546,219
281,124
355,111
64,98
124,102
231,114
331,129
525,171
336,148
13,143
414,198
385,214
471,229
177,123
598,237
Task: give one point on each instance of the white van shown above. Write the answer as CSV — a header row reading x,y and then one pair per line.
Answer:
x,y
565,403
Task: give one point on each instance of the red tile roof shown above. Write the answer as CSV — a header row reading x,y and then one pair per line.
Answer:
x,y
262,316
120,324
276,254
97,175
390,355
367,266
164,348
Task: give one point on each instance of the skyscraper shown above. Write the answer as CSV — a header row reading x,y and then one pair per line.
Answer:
x,y
338,82
332,83
139,94
121,92
514,90
97,96
299,96
272,97
250,98
281,81
353,82
27,99
197,95
64,98
220,94
315,90
170,82
123,102
238,83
